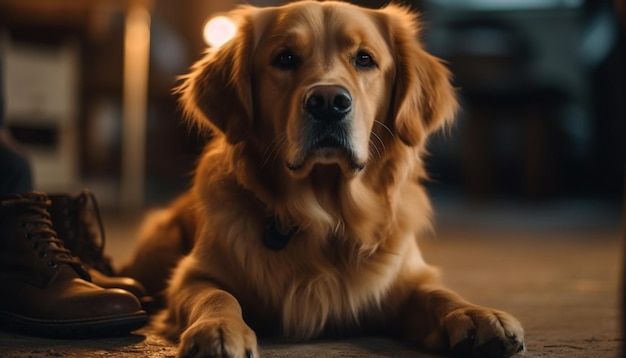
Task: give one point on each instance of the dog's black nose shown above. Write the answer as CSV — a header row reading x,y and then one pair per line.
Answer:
x,y
328,103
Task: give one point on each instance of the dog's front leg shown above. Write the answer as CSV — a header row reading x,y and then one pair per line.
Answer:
x,y
440,319
208,319
216,328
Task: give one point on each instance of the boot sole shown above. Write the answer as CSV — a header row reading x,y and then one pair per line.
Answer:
x,y
79,328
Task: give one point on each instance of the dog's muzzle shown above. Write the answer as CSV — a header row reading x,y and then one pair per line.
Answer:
x,y
328,103
326,137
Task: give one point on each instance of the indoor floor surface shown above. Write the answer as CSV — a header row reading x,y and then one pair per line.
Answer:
x,y
561,281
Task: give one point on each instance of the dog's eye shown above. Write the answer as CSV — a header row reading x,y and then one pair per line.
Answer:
x,y
364,60
286,60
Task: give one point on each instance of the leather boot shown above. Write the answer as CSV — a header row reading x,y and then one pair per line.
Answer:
x,y
44,289
75,225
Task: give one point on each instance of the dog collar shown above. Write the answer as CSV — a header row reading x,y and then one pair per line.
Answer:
x,y
275,236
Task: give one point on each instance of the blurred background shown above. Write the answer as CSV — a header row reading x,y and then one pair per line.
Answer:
x,y
528,184
541,139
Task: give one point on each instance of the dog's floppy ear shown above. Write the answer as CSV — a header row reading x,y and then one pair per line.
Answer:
x,y
424,99
217,92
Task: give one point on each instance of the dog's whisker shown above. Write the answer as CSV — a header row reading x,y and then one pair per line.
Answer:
x,y
374,148
279,148
272,149
271,154
386,128
380,154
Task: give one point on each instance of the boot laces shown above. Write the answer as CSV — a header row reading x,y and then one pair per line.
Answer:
x,y
36,219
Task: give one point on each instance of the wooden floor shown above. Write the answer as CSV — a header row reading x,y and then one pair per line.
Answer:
x,y
562,282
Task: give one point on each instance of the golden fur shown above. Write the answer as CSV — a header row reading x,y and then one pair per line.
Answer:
x,y
356,206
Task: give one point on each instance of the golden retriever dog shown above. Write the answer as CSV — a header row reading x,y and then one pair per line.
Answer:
x,y
306,207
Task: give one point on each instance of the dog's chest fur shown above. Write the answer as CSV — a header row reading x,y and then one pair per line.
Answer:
x,y
309,290
336,271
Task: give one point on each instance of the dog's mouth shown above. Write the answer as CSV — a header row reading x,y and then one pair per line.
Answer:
x,y
326,150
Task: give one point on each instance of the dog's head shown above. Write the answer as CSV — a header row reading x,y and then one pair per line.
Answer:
x,y
321,83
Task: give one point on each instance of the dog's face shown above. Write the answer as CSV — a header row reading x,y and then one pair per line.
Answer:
x,y
323,76
321,83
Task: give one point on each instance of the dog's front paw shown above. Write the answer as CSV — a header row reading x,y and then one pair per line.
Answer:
x,y
218,337
482,332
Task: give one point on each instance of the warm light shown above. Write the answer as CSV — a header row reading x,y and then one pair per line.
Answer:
x,y
218,30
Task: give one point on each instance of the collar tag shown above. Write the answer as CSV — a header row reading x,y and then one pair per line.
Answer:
x,y
275,237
